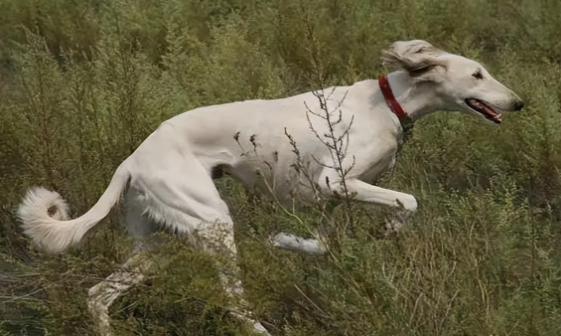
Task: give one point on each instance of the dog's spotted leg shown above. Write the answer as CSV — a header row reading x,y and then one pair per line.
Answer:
x,y
102,295
219,238
398,218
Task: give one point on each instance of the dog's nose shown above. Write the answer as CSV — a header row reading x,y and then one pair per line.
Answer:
x,y
519,105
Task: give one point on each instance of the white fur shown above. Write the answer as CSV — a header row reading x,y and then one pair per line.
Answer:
x,y
296,243
56,233
170,173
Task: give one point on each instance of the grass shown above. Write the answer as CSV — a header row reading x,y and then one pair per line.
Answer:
x,y
82,83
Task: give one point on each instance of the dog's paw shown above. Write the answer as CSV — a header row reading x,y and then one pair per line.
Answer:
x,y
394,225
286,241
396,220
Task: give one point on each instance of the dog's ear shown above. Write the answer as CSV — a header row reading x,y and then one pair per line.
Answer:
x,y
417,57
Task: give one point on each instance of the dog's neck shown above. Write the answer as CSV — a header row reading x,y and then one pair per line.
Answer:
x,y
415,98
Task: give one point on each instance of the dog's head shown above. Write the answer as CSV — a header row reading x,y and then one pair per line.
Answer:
x,y
460,84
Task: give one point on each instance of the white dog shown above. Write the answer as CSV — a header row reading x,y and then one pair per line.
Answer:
x,y
168,180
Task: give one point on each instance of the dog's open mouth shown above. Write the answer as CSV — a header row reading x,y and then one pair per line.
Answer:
x,y
485,109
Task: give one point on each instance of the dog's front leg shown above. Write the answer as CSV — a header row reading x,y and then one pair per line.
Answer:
x,y
296,243
404,204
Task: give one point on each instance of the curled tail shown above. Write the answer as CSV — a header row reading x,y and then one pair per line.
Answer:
x,y
54,232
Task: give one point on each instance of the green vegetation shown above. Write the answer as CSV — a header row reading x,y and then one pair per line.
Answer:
x,y
82,83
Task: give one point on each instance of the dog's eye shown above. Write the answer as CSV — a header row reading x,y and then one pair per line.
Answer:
x,y
478,74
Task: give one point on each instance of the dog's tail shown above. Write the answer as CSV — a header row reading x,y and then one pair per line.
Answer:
x,y
45,214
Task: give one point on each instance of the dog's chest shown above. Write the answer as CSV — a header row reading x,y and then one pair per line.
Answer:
x,y
376,169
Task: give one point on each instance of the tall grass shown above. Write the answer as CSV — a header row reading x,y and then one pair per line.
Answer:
x,y
82,83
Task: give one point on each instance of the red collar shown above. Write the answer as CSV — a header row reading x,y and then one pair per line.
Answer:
x,y
391,101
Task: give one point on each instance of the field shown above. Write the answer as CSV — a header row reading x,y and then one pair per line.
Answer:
x,y
82,83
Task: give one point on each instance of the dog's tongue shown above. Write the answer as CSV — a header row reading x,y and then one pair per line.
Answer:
x,y
489,111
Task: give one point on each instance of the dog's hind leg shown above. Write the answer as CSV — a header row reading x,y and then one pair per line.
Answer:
x,y
102,295
132,272
218,237
183,196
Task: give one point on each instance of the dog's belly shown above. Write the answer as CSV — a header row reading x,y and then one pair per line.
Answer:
x,y
278,178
